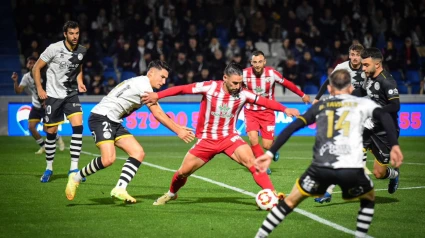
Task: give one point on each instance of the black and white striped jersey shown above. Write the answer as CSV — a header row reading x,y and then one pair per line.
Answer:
x,y
63,69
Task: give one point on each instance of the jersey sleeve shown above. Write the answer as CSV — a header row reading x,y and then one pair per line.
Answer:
x,y
368,106
25,81
144,87
287,84
389,88
48,54
309,117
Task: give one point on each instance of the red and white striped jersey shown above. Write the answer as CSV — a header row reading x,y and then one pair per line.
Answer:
x,y
219,110
265,84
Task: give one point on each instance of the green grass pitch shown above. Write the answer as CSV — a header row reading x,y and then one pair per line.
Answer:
x,y
204,209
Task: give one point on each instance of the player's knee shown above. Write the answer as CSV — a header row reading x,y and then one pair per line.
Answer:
x,y
108,160
139,155
77,129
183,174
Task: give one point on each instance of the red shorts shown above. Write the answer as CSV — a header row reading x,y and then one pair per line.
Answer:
x,y
263,121
206,149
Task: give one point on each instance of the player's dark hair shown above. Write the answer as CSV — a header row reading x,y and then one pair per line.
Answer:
x,y
31,58
158,64
233,69
356,47
257,53
373,53
70,24
340,79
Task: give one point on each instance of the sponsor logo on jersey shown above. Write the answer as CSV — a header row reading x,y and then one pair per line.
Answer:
x,y
22,118
224,112
335,149
65,65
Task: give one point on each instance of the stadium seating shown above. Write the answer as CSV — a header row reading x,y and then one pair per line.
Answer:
x,y
402,88
108,62
321,63
274,48
310,89
127,74
397,76
264,47
413,76
110,73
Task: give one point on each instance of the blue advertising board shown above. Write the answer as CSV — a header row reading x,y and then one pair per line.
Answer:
x,y
143,123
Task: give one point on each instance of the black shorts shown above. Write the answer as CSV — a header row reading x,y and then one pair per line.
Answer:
x,y
36,114
55,108
105,130
353,182
377,142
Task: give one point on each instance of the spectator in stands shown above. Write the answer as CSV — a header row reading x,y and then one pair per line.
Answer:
x,y
97,82
217,66
208,34
193,49
171,26
304,10
247,52
199,64
299,49
289,69
308,72
159,49
391,57
91,61
153,36
258,27
328,24
204,76
409,56
141,64
125,58
333,52
417,36
213,47
34,50
240,26
111,83
232,50
284,51
179,68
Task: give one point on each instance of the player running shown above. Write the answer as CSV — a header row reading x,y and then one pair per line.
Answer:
x,y
337,155
105,125
260,80
221,103
37,110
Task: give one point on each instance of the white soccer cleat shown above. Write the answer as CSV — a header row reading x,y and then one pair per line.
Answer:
x,y
40,151
164,199
61,144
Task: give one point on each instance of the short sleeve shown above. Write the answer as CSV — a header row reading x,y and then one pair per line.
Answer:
x,y
368,106
390,90
201,87
25,80
48,54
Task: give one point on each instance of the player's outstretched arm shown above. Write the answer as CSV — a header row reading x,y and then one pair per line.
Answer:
x,y
184,133
37,78
276,106
169,92
18,88
322,90
291,86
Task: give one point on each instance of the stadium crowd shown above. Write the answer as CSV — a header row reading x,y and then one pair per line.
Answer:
x,y
304,40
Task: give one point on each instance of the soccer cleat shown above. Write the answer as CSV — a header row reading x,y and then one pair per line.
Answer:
x,y
281,196
76,171
164,199
393,184
122,194
61,144
276,157
269,171
71,186
326,198
46,176
40,151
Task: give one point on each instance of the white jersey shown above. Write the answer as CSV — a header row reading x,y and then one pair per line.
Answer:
x,y
63,69
339,136
29,86
358,77
124,99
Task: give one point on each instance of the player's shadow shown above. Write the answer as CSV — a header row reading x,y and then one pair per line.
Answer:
x,y
54,177
193,200
378,200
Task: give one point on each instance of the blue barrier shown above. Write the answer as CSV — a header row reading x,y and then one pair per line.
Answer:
x,y
143,123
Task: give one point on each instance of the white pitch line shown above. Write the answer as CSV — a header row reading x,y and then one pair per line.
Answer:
x,y
385,189
298,210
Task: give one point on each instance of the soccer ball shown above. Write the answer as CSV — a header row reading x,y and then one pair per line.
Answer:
x,y
266,199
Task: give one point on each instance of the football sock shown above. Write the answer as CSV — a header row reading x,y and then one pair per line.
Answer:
x,y
57,137
330,189
40,142
258,151
273,219
364,217
262,179
391,173
75,147
128,171
50,146
91,168
364,156
176,183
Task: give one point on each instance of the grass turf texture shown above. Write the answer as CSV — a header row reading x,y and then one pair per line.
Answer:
x,y
32,209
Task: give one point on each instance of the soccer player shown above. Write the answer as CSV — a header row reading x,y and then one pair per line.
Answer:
x,y
353,66
105,125
358,77
338,157
381,87
37,111
64,81
216,132
260,80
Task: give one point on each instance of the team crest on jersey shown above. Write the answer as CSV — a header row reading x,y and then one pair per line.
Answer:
x,y
80,56
258,90
377,86
268,79
224,111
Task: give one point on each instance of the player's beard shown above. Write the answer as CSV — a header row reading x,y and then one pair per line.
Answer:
x,y
70,42
258,74
233,92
